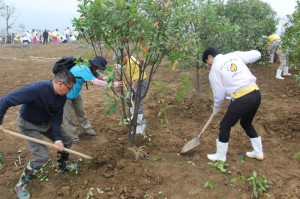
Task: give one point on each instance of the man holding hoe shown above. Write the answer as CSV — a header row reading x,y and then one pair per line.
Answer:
x,y
41,113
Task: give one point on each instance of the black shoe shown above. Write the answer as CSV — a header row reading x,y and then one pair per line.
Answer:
x,y
69,168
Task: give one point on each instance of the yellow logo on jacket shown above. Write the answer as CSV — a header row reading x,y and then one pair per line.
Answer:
x,y
233,68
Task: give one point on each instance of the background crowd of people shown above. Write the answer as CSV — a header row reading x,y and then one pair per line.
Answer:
x,y
41,37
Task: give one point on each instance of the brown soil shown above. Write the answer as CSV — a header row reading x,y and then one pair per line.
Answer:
x,y
116,173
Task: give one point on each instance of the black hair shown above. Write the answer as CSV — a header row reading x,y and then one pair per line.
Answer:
x,y
209,51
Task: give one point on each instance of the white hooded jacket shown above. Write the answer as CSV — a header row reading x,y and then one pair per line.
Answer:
x,y
229,73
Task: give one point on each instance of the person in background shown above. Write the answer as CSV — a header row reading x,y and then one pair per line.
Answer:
x,y
8,39
230,76
283,66
41,115
25,40
72,38
34,39
28,35
74,105
55,36
45,37
67,34
274,43
40,35
13,36
131,66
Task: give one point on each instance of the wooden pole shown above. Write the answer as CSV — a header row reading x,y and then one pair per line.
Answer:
x,y
45,143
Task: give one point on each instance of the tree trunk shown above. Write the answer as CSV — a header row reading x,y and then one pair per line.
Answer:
x,y
198,82
6,38
198,77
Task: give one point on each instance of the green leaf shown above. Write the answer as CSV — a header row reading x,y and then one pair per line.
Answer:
x,y
234,179
158,158
111,109
241,159
295,156
1,158
209,184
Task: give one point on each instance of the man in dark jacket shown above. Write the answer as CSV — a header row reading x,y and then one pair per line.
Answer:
x,y
45,36
41,113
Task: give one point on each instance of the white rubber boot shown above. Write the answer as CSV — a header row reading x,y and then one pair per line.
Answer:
x,y
131,110
140,126
286,71
271,58
140,118
257,149
278,74
222,149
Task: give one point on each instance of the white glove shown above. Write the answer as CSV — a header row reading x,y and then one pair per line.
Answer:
x,y
115,57
216,110
59,145
118,66
228,97
118,84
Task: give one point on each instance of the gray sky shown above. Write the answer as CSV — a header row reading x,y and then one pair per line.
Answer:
x,y
282,7
44,14
52,14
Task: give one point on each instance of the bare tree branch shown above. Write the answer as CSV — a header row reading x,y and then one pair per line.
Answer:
x,y
10,14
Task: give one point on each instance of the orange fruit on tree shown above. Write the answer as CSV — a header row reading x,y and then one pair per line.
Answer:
x,y
156,23
142,42
145,49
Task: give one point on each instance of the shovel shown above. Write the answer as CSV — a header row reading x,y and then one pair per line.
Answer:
x,y
196,140
45,143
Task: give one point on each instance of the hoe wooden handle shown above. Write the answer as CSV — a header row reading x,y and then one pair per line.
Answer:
x,y
45,143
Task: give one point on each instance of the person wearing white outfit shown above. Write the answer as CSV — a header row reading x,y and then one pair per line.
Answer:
x,y
283,66
131,66
230,76
273,43
67,34
275,46
55,36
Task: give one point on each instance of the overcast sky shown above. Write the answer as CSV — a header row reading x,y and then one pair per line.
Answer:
x,y
282,7
52,14
44,14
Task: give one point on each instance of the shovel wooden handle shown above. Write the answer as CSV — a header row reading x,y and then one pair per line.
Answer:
x,y
205,126
45,143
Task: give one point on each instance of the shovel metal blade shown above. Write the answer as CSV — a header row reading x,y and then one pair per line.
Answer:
x,y
191,144
196,140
